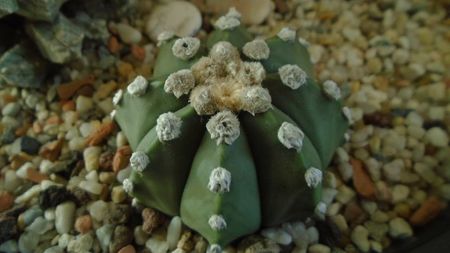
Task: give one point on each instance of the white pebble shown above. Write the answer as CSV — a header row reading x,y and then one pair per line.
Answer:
x,y
278,235
64,217
157,246
174,232
91,187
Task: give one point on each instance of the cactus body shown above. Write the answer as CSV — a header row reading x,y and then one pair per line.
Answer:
x,y
270,132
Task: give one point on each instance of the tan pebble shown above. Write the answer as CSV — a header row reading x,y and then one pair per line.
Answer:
x,y
186,242
118,195
127,249
6,200
105,90
427,211
121,158
403,210
114,45
83,224
106,177
125,70
68,106
152,219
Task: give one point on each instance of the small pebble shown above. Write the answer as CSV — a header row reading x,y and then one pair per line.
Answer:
x,y
28,241
399,228
437,137
360,238
174,232
83,224
98,209
157,246
64,217
319,248
82,243
84,104
104,235
127,249
128,34
278,235
91,157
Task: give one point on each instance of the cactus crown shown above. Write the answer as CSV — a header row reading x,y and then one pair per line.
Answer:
x,y
270,131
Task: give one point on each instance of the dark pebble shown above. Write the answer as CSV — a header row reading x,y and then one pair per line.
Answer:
x,y
7,137
122,236
401,112
329,233
29,145
8,228
118,214
378,119
434,123
53,196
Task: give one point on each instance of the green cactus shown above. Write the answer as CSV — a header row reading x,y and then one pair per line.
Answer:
x,y
271,130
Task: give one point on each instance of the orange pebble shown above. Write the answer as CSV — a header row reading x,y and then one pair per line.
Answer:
x,y
361,180
35,176
429,209
83,224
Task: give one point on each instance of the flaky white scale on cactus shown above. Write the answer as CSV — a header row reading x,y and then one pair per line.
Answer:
x,y
180,83
214,248
313,177
127,185
117,97
168,126
219,180
217,222
185,48
256,49
112,114
332,89
229,21
348,114
292,76
290,136
287,34
139,161
137,87
256,100
224,127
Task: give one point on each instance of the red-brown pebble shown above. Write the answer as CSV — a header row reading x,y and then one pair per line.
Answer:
x,y
6,200
429,209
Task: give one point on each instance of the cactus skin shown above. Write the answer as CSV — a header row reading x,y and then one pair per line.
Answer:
x,y
268,178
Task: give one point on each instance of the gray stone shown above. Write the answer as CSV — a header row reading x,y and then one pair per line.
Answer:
x,y
104,236
28,241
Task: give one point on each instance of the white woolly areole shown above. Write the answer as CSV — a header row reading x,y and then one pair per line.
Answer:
x,y
253,73
214,248
320,210
127,185
257,99
224,127
139,161
332,89
168,126
219,180
117,97
112,114
201,100
217,222
224,51
313,177
166,35
229,21
348,114
292,76
180,82
286,34
256,49
185,48
290,136
347,137
138,87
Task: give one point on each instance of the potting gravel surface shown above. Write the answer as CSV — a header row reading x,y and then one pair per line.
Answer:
x,y
63,159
